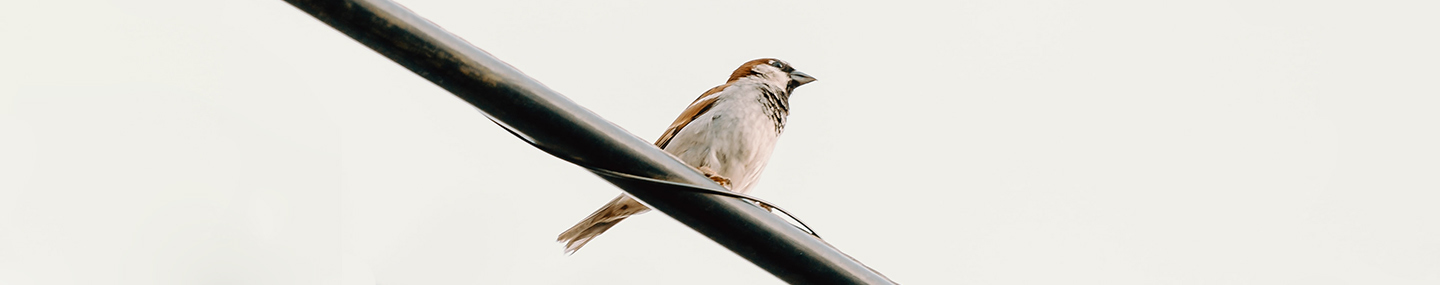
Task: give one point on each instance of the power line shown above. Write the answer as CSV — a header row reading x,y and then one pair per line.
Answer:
x,y
562,128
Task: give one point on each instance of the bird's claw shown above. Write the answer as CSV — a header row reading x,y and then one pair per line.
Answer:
x,y
709,173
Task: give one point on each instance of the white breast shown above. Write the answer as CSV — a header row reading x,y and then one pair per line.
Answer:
x,y
734,138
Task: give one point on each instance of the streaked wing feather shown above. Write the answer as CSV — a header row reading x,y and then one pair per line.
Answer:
x,y
698,107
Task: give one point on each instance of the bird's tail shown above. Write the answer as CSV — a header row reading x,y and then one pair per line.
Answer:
x,y
614,212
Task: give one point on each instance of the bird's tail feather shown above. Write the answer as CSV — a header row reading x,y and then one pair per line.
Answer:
x,y
604,218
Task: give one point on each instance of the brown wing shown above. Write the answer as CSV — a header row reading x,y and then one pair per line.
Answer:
x,y
696,108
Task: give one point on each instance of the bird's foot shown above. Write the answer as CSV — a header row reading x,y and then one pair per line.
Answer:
x,y
709,173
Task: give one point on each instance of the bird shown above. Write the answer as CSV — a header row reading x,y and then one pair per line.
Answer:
x,y
727,134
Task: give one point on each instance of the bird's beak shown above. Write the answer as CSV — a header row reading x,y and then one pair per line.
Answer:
x,y
800,78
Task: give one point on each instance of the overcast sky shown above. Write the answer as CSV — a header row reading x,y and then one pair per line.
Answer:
x,y
946,142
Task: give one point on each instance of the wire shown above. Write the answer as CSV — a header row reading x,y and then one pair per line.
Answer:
x,y
696,188
687,187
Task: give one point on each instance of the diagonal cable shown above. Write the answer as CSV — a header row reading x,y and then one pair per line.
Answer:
x,y
563,128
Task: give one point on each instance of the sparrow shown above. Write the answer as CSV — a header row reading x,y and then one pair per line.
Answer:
x,y
728,134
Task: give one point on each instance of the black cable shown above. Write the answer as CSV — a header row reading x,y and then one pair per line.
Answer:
x,y
558,125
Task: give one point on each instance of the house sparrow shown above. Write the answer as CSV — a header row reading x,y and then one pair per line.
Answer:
x,y
727,133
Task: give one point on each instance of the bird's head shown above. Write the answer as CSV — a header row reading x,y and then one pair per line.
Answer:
x,y
772,71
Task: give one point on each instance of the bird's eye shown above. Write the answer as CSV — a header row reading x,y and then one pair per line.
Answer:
x,y
778,64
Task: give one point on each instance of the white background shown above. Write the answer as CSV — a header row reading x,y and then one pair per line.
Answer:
x,y
958,142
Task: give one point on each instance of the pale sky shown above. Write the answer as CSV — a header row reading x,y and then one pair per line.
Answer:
x,y
955,142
